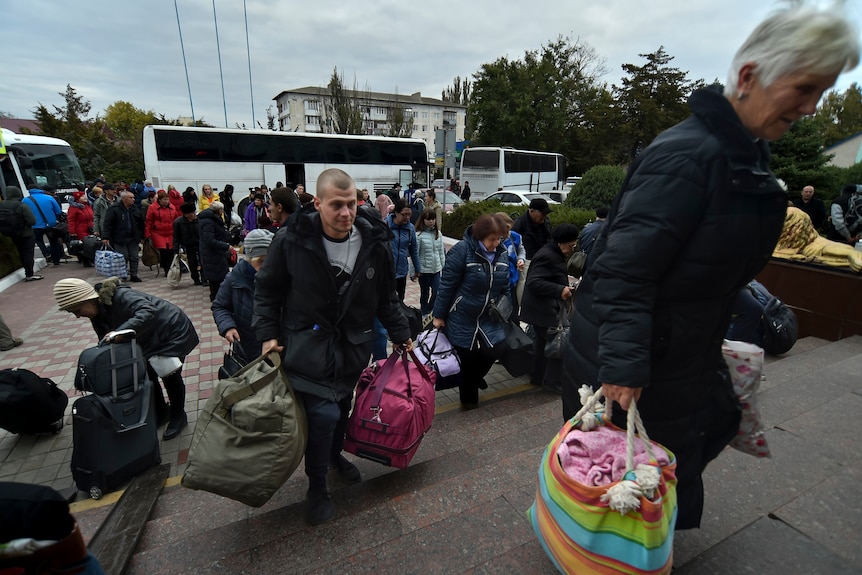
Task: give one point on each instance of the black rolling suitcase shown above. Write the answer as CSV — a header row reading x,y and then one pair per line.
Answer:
x,y
30,403
114,435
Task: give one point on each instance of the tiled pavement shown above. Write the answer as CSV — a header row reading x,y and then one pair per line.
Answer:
x,y
54,339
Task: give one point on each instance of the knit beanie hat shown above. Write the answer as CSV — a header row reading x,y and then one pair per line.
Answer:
x,y
256,243
70,292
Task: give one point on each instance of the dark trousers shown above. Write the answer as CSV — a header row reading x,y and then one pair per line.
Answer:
x,y
475,365
194,265
428,286
401,287
55,251
166,257
327,424
25,246
176,388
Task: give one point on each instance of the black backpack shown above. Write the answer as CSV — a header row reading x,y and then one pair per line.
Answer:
x,y
780,327
30,403
11,222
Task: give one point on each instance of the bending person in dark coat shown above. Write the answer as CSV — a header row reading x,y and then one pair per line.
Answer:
x,y
697,218
233,306
162,329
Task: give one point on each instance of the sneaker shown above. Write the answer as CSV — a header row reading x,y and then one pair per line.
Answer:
x,y
320,509
345,469
16,341
175,426
32,278
135,279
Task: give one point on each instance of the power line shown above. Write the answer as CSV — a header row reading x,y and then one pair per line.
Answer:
x,y
248,51
220,70
185,63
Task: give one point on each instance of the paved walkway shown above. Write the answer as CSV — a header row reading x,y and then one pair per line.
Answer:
x,y
54,339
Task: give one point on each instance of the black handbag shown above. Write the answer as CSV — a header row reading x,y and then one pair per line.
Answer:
x,y
557,336
500,310
231,364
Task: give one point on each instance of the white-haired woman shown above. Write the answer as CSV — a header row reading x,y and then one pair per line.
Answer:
x,y
697,218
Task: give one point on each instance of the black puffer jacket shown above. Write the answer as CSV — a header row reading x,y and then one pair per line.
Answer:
x,y
122,225
162,328
215,244
697,219
543,292
327,340
533,235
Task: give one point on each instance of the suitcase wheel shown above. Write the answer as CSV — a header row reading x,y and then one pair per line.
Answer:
x,y
95,493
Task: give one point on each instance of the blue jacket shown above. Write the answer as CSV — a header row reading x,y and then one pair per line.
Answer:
x,y
515,248
49,207
403,243
467,286
233,307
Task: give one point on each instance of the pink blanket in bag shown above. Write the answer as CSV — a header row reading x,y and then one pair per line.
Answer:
x,y
598,457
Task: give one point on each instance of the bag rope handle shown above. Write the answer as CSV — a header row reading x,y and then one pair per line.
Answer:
x,y
640,480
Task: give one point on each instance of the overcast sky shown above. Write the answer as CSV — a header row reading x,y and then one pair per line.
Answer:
x,y
111,50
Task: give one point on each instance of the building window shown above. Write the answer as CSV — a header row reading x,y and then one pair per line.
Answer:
x,y
313,120
436,115
312,105
424,127
424,115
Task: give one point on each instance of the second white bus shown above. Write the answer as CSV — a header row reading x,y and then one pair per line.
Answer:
x,y
493,169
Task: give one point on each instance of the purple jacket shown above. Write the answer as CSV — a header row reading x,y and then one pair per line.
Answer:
x,y
249,221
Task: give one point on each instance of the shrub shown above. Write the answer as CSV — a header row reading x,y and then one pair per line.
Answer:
x,y
598,187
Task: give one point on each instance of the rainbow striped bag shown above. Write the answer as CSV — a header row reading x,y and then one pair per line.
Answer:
x,y
625,527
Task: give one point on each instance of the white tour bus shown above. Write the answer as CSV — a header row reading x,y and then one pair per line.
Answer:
x,y
492,169
36,161
191,156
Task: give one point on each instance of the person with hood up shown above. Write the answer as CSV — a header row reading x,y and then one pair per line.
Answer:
x,y
175,196
161,328
24,239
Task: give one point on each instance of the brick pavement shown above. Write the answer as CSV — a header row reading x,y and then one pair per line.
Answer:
x,y
54,339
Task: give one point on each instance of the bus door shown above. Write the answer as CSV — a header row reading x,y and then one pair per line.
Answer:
x,y
273,173
295,175
405,177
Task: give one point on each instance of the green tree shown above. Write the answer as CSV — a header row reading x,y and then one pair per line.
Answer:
x,y
127,122
398,121
840,115
537,101
598,187
651,99
798,157
343,107
459,92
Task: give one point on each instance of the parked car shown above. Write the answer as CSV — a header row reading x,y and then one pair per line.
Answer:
x,y
519,197
449,200
572,180
440,184
557,195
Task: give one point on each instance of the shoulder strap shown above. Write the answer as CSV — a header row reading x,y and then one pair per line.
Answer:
x,y
41,213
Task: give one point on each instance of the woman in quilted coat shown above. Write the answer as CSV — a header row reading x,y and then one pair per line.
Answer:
x,y
475,273
159,227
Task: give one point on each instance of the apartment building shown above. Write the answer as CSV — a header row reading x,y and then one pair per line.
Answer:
x,y
305,110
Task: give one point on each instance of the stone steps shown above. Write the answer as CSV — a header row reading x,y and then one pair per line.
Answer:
x,y
460,506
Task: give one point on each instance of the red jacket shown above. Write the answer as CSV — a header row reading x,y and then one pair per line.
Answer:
x,y
160,225
80,221
176,199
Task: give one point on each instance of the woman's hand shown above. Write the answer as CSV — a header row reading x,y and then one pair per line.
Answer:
x,y
232,335
438,323
567,294
407,346
621,394
520,265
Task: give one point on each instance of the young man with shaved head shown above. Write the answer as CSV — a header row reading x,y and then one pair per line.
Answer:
x,y
327,275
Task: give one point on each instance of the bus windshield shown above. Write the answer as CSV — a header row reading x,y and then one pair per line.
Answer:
x,y
48,164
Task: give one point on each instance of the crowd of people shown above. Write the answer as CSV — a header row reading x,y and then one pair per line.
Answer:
x,y
697,218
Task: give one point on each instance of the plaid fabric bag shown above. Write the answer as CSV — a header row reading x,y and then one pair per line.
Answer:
x,y
111,264
625,526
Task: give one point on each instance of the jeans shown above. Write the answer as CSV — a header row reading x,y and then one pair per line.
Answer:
x,y
130,252
428,286
327,424
56,248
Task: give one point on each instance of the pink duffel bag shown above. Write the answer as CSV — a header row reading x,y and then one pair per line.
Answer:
x,y
394,409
